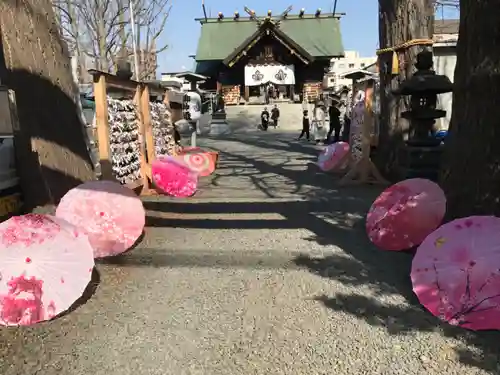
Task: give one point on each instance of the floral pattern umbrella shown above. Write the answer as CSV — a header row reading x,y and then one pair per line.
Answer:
x,y
110,214
45,265
456,273
333,156
173,177
405,213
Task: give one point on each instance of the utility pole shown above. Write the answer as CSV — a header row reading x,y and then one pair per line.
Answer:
x,y
134,42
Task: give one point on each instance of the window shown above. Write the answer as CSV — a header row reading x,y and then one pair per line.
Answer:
x,y
351,65
363,65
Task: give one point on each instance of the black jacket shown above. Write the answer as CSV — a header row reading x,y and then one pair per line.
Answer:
x,y
264,116
334,114
275,113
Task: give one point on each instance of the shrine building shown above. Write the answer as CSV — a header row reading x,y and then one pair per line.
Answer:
x,y
243,54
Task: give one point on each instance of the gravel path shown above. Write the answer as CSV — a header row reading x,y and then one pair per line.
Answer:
x,y
266,271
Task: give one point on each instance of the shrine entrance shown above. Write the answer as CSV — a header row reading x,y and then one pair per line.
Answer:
x,y
267,64
277,79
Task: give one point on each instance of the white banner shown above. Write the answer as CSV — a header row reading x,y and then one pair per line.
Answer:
x,y
257,75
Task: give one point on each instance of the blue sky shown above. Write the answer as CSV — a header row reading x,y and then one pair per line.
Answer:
x,y
359,25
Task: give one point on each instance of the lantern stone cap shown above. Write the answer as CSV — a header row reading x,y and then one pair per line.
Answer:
x,y
421,84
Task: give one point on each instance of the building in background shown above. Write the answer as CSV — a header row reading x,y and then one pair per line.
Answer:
x,y
445,59
243,55
184,78
352,61
446,30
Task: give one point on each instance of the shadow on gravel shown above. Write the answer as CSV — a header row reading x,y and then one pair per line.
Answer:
x,y
340,222
387,273
303,179
334,216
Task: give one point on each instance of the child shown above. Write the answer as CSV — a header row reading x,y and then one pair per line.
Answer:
x,y
275,115
305,124
264,119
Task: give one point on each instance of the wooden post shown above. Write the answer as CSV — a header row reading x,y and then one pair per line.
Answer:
x,y
101,113
247,93
142,138
148,130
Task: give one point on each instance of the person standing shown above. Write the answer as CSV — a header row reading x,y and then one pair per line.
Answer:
x,y
264,119
334,114
269,90
305,125
194,110
275,115
266,94
319,122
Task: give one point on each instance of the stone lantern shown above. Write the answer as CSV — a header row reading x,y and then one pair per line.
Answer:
x,y
422,154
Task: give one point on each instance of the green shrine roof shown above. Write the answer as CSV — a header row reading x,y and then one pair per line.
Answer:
x,y
319,36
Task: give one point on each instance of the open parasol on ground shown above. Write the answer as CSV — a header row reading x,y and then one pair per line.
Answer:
x,y
333,156
110,214
173,177
45,265
456,273
198,160
405,213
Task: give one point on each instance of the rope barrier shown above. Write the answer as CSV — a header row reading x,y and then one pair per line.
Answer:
x,y
410,43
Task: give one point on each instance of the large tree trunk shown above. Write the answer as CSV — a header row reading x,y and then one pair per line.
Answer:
x,y
52,155
399,22
471,168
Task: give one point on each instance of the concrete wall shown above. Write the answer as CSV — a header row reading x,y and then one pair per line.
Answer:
x,y
445,60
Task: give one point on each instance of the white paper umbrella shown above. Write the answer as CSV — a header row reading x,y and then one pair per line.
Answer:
x,y
45,266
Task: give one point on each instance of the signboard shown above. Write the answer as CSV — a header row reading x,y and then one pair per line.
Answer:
x,y
256,75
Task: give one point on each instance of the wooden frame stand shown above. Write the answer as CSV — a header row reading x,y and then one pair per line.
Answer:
x,y
141,93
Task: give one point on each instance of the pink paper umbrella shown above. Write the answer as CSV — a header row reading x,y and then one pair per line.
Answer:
x,y
45,265
456,273
333,157
198,160
173,177
405,213
110,214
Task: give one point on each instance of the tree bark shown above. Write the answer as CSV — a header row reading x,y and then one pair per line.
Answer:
x,y
52,156
399,22
471,166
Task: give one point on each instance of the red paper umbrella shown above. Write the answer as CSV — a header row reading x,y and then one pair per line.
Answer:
x,y
110,214
200,161
456,272
405,213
